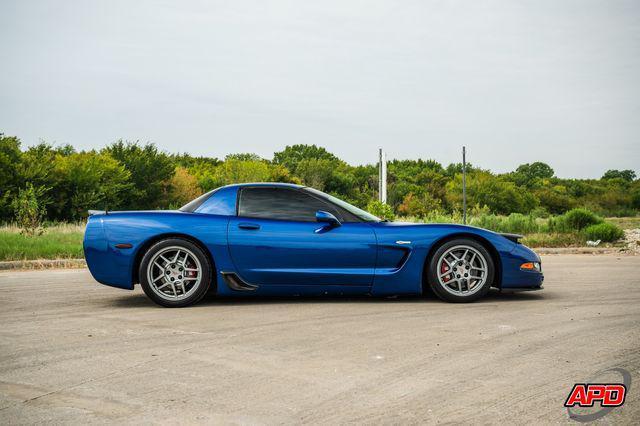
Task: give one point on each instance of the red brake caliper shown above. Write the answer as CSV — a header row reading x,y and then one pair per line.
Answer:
x,y
189,274
444,268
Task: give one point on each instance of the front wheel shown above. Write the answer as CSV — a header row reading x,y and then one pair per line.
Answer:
x,y
461,270
175,273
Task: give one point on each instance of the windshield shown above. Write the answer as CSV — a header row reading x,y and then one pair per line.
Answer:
x,y
365,216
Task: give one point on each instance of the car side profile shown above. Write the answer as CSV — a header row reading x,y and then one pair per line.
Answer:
x,y
285,239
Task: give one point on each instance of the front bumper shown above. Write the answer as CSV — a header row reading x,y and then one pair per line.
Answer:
x,y
513,277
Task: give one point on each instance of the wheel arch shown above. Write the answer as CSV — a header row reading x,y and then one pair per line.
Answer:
x,y
156,238
495,256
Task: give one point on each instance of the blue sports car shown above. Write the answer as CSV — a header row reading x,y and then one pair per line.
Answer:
x,y
284,239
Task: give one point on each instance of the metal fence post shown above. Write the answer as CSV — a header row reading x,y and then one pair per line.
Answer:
x,y
382,177
464,186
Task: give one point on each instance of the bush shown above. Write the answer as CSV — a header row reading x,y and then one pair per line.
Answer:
x,y
487,221
514,223
603,231
578,219
557,224
553,240
382,210
183,187
437,217
30,210
520,224
539,212
418,205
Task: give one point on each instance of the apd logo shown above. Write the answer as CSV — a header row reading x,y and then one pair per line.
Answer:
x,y
605,396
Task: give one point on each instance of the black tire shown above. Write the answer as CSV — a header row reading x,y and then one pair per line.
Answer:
x,y
198,291
448,296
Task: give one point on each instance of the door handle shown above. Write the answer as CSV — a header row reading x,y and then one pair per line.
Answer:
x,y
245,225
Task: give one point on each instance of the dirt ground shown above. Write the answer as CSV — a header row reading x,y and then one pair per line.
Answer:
x,y
74,351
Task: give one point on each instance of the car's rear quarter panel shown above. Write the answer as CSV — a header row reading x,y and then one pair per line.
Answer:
x,y
115,266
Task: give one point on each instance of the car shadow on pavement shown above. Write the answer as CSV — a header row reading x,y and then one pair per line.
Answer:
x,y
141,300
517,296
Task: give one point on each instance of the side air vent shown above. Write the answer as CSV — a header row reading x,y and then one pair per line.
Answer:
x,y
236,283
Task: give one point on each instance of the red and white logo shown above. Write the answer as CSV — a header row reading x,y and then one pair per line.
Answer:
x,y
600,393
587,394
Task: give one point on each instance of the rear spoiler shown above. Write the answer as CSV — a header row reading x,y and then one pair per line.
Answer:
x,y
94,212
513,237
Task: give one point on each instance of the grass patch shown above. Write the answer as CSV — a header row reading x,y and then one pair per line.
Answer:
x,y
60,241
554,239
625,222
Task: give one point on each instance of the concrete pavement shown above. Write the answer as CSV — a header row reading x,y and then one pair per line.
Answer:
x,y
74,351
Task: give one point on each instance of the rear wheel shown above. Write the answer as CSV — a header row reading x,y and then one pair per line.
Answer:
x,y
461,270
175,273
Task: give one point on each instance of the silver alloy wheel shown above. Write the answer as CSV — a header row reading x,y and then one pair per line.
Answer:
x,y
174,273
462,270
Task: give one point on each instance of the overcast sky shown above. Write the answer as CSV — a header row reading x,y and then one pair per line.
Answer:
x,y
556,81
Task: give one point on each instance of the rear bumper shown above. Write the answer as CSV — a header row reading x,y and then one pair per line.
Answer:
x,y
108,265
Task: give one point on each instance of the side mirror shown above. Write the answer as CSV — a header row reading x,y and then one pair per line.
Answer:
x,y
326,217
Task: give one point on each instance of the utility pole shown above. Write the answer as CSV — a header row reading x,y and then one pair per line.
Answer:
x,y
382,177
464,186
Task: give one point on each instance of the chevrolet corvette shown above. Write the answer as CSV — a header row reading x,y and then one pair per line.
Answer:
x,y
285,239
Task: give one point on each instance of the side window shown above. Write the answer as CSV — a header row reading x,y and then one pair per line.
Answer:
x,y
222,202
280,203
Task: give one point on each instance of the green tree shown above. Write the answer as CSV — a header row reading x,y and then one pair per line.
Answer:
x,y
456,168
187,161
635,195
292,155
532,175
279,173
150,171
419,205
315,172
423,179
381,210
240,171
626,175
485,189
10,181
365,185
247,156
555,199
133,176
183,187
38,163
88,181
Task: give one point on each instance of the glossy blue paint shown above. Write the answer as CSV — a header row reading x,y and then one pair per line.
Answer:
x,y
221,202
113,266
328,218
513,276
391,278
292,258
273,252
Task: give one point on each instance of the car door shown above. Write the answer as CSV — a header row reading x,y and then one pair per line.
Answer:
x,y
276,240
